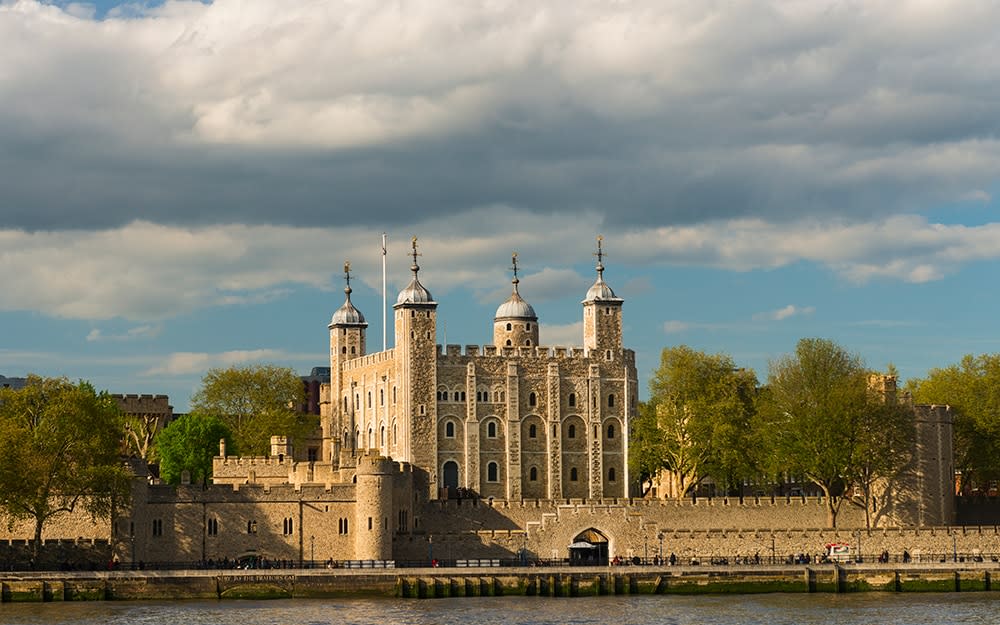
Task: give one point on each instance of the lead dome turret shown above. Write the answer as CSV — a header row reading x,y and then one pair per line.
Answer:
x,y
515,323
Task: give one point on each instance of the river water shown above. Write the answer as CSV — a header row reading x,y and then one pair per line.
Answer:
x,y
768,609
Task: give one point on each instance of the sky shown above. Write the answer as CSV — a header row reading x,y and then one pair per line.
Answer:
x,y
181,182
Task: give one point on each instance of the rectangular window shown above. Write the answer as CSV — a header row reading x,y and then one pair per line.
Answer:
x,y
213,527
157,527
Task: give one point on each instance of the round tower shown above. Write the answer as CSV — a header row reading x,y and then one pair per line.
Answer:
x,y
373,511
515,323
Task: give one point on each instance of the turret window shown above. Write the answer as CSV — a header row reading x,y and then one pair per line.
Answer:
x,y
611,430
571,431
572,400
343,350
572,474
532,399
508,343
492,472
491,429
533,474
527,326
353,351
611,400
527,342
532,431
611,474
509,327
449,429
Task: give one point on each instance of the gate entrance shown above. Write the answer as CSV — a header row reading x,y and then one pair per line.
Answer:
x,y
589,548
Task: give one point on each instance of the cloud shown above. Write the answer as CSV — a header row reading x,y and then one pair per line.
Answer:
x,y
784,313
674,326
144,331
187,363
646,112
148,272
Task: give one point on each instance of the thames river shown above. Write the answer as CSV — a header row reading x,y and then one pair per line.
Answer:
x,y
770,609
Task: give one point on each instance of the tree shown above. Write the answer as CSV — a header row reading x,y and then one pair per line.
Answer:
x,y
886,433
697,420
189,444
61,445
972,389
140,434
821,419
255,403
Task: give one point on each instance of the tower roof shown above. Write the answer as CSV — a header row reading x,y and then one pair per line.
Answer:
x,y
348,315
414,293
515,307
600,291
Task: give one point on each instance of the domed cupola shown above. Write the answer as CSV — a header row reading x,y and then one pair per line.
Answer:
x,y
414,293
600,291
515,323
348,315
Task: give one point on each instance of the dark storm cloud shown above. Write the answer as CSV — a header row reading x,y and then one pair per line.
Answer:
x,y
647,113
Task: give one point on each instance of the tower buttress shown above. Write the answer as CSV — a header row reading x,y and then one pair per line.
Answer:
x,y
602,315
347,341
415,314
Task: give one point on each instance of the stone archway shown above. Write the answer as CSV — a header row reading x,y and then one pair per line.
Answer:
x,y
589,547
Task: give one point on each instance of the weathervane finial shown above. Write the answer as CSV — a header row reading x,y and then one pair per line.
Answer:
x,y
600,257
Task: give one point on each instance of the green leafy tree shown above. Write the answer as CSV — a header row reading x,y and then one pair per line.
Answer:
x,y
885,445
189,444
821,419
972,389
62,444
696,422
255,403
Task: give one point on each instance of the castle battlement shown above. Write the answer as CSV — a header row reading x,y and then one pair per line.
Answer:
x,y
537,352
369,359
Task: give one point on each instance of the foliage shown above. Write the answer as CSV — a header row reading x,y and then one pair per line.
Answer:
x,y
189,444
61,445
972,389
697,420
255,403
821,419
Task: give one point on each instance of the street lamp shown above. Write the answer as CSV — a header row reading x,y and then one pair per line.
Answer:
x,y
312,551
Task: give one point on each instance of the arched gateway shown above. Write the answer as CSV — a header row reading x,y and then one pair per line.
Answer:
x,y
590,547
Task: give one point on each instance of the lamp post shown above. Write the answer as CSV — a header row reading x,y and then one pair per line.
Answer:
x,y
430,550
312,550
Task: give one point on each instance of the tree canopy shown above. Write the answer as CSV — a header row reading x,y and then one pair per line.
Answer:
x,y
822,419
255,403
62,444
696,422
972,389
189,444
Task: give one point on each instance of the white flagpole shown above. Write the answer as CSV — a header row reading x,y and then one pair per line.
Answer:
x,y
384,333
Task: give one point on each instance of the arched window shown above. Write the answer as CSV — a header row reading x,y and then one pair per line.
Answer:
x,y
571,431
532,431
611,400
572,474
491,429
533,474
382,436
527,342
532,399
572,400
527,326
369,399
449,429
611,474
611,430
508,343
508,329
492,472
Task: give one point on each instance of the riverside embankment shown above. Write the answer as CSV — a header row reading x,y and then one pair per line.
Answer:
x,y
493,581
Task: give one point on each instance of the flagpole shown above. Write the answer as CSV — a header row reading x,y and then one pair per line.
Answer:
x,y
384,332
